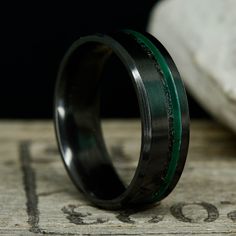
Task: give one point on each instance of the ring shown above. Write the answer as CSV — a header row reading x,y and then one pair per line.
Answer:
x,y
163,111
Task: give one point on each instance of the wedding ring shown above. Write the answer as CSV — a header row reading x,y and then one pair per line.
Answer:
x,y
163,111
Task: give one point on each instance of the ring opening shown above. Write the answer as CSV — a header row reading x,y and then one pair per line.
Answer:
x,y
80,105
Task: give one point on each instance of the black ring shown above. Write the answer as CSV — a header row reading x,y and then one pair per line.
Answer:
x,y
163,110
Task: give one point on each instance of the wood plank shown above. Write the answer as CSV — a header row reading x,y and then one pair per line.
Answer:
x,y
37,197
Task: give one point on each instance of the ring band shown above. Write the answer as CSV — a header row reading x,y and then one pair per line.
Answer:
x,y
163,111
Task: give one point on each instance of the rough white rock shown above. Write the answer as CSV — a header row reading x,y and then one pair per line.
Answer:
x,y
201,37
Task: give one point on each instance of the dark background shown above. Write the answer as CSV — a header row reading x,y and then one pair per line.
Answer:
x,y
34,37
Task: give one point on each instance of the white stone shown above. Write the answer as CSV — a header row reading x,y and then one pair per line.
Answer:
x,y
201,37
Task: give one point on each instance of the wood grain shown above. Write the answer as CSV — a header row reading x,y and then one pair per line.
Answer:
x,y
38,198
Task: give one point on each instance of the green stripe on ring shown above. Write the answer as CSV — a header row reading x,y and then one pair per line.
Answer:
x,y
176,110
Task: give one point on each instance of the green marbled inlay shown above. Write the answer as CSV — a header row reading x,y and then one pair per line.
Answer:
x,y
175,110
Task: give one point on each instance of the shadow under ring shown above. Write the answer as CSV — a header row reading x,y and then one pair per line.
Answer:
x,y
163,111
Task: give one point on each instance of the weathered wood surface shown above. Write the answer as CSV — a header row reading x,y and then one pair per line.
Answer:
x,y
37,197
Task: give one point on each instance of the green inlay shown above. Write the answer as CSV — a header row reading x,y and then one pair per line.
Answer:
x,y
176,111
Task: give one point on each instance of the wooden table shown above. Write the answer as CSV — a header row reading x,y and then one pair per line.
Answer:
x,y
37,197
